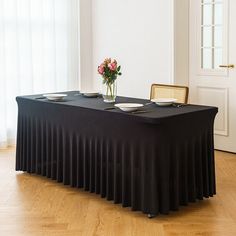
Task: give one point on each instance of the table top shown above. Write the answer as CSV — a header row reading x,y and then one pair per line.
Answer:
x,y
152,112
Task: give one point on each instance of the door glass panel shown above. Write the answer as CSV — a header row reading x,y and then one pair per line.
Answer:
x,y
207,36
218,14
218,36
207,14
207,58
218,57
211,34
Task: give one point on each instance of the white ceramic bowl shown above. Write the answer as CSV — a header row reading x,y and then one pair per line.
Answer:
x,y
129,107
164,101
55,96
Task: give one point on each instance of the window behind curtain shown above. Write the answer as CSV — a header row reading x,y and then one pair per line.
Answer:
x,y
38,53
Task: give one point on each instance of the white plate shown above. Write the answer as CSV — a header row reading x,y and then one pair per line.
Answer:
x,y
90,93
128,107
164,101
55,96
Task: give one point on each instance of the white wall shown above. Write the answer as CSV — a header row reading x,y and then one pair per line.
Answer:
x,y
139,34
85,45
181,42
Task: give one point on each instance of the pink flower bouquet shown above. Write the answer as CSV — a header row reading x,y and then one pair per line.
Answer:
x,y
109,70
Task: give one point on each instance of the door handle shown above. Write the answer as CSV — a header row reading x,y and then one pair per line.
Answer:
x,y
230,66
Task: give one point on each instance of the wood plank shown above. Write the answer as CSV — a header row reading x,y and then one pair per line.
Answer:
x,y
35,205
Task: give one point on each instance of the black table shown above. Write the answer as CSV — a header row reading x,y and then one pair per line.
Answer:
x,y
153,162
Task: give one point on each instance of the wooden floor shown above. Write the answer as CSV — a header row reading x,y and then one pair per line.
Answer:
x,y
34,205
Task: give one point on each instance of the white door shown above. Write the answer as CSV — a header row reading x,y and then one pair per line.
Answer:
x,y
212,58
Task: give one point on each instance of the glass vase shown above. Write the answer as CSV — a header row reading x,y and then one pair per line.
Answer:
x,y
109,92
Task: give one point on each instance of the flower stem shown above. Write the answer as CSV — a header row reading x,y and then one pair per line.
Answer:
x,y
107,89
111,90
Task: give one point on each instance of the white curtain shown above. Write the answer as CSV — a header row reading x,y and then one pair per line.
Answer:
x,y
38,53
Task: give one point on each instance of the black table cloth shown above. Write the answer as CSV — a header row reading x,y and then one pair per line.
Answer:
x,y
153,162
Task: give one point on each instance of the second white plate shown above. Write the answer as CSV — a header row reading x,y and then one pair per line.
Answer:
x,y
55,96
129,107
164,101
